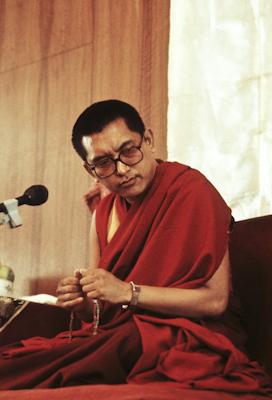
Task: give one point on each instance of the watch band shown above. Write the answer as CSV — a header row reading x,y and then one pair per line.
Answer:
x,y
135,291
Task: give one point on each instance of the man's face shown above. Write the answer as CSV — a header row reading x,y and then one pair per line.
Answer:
x,y
128,181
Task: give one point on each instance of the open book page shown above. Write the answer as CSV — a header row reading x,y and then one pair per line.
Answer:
x,y
42,298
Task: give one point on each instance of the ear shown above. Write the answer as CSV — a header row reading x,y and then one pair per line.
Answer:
x,y
149,138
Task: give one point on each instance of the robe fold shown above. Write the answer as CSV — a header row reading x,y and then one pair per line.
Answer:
x,y
175,236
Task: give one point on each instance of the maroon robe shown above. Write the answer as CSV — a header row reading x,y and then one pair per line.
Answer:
x,y
176,236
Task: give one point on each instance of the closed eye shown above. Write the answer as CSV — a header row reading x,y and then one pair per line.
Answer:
x,y
130,152
103,162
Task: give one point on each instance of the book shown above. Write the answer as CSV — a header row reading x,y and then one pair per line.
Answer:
x,y
21,319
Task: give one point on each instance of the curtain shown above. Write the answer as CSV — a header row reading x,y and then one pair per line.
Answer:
x,y
220,103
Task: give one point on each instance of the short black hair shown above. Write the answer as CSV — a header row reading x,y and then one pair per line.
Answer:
x,y
97,116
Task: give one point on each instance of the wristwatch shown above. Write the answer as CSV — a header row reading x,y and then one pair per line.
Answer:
x,y
135,291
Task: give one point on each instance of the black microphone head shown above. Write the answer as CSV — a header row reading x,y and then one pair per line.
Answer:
x,y
35,195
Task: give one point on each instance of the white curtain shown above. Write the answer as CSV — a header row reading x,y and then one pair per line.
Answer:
x,y
220,97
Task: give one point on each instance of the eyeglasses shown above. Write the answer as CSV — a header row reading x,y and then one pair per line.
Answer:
x,y
107,166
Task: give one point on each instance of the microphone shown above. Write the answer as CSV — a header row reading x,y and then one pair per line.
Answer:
x,y
33,196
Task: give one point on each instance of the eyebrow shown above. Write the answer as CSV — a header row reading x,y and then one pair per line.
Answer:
x,y
124,144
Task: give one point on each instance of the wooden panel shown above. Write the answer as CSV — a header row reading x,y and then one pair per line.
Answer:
x,y
53,238
56,58
130,51
32,30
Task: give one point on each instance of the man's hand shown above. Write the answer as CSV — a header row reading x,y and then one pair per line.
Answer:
x,y
71,296
103,285
95,193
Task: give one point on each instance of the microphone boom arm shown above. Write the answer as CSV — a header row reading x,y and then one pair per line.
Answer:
x,y
12,216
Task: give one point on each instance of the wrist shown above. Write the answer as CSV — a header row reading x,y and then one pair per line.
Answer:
x,y
133,296
127,294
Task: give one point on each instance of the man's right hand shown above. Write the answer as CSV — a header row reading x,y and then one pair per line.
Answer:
x,y
96,192
70,296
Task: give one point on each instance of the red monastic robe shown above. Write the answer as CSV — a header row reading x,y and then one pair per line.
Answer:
x,y
176,236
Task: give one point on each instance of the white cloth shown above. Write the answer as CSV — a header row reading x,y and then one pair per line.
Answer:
x,y
220,104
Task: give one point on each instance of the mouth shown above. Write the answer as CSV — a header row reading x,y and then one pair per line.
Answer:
x,y
128,183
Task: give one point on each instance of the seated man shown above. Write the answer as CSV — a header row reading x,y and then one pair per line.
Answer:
x,y
157,295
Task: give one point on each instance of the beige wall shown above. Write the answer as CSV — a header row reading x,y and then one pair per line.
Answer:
x,y
56,57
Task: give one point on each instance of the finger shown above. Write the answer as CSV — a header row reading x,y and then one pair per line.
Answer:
x,y
68,289
71,303
94,294
87,281
94,273
90,286
70,295
70,280
88,276
77,274
83,271
86,272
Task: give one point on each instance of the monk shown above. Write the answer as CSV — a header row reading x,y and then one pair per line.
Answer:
x,y
157,299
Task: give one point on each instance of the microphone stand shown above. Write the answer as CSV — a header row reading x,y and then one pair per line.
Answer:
x,y
12,215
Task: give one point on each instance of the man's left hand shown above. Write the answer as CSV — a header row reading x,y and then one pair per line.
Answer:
x,y
103,285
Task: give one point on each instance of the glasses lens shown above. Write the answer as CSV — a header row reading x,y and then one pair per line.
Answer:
x,y
131,156
105,167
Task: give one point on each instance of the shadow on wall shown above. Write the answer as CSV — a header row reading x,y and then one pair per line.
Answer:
x,y
47,285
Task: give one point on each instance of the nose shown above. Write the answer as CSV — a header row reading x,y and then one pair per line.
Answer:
x,y
121,168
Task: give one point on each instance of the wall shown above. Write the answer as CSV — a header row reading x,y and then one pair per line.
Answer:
x,y
56,57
